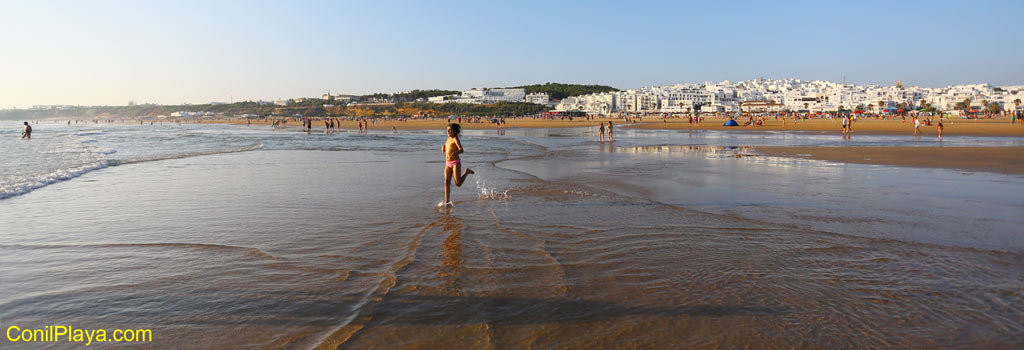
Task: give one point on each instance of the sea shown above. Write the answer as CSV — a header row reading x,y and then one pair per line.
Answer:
x,y
233,237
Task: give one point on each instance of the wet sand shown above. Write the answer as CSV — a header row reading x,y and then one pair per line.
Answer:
x,y
334,242
265,264
1003,160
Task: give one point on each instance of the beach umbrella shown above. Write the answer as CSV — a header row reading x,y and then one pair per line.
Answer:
x,y
900,110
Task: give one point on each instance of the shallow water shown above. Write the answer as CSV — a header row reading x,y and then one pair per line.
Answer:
x,y
247,237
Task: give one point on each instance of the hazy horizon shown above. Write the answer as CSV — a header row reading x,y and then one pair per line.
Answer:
x,y
169,53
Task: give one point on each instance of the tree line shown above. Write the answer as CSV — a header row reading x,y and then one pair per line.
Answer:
x,y
558,91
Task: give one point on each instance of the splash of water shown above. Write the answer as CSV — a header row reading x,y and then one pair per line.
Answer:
x,y
490,193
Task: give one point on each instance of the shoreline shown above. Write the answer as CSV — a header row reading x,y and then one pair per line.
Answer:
x,y
995,159
953,128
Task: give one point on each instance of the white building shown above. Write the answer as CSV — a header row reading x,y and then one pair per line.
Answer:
x,y
788,95
483,96
540,98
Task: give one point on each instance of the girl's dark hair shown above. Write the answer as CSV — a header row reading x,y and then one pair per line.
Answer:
x,y
456,128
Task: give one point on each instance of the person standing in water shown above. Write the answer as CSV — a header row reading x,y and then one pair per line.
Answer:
x,y
27,133
609,130
452,163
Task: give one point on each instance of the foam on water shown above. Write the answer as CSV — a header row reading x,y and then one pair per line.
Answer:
x,y
81,156
489,192
27,184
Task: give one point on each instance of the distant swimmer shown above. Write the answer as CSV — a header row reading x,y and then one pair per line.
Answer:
x,y
27,134
452,164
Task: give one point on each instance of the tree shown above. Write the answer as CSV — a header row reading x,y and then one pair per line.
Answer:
x,y
881,104
1016,103
806,105
871,106
994,108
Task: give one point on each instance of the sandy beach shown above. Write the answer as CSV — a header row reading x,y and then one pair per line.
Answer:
x,y
982,127
953,127
1004,160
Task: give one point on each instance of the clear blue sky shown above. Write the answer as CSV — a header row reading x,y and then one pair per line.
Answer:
x,y
168,52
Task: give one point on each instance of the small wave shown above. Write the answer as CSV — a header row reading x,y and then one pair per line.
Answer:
x,y
26,185
105,151
88,132
34,182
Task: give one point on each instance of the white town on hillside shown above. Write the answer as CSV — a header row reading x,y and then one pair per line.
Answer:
x,y
791,95
758,95
764,95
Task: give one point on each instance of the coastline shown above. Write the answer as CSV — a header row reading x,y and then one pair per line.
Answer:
x,y
953,127
1002,160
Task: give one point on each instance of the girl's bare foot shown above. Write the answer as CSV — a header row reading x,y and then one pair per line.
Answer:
x,y
470,171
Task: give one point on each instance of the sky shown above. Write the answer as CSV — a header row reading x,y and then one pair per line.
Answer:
x,y
172,52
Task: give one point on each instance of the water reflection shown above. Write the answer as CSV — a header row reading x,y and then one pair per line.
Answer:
x,y
451,262
710,151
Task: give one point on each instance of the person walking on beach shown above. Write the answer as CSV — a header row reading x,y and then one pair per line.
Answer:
x,y
452,163
609,130
939,129
27,133
601,132
917,126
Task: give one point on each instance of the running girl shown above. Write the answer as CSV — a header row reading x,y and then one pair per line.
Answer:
x,y
452,164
